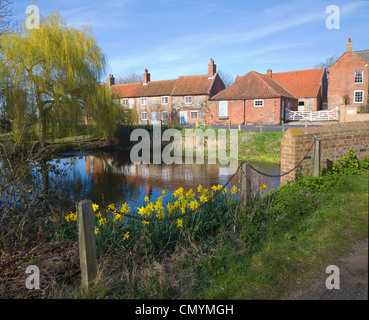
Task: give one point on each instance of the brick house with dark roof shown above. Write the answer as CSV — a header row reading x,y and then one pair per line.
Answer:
x,y
349,79
252,98
179,101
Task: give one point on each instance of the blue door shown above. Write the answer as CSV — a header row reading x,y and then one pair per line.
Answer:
x,y
183,117
153,117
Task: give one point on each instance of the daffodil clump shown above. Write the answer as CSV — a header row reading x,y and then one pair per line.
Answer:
x,y
183,208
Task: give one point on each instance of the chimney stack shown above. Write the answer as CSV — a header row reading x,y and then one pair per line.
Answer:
x,y
349,46
269,73
212,68
146,77
111,80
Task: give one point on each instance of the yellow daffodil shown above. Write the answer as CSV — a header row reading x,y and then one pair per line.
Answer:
x,y
263,187
179,223
126,236
96,230
98,215
145,222
111,208
178,192
203,198
102,221
164,193
147,199
95,207
125,208
199,188
234,190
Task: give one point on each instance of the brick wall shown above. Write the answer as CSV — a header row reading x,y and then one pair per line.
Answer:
x,y
335,140
349,114
241,111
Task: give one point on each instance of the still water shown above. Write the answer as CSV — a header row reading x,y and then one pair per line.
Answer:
x,y
110,177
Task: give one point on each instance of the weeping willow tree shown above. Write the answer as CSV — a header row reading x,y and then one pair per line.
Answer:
x,y
57,68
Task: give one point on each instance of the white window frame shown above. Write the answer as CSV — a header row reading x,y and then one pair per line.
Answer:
x,y
259,105
167,118
223,106
362,76
188,99
362,101
197,115
124,102
163,98
142,113
144,101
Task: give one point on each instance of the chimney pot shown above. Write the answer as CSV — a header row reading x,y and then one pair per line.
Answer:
x,y
269,73
111,80
349,46
146,77
212,68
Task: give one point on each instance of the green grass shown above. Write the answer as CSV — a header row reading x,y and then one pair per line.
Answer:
x,y
300,252
260,146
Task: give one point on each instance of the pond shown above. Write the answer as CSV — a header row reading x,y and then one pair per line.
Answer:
x,y
111,178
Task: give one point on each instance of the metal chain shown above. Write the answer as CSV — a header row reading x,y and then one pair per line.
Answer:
x,y
285,173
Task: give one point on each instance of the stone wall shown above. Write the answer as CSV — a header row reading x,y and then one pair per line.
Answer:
x,y
335,141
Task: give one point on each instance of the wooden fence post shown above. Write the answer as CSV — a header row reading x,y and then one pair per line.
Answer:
x,y
245,184
87,243
261,126
229,126
317,158
282,125
239,127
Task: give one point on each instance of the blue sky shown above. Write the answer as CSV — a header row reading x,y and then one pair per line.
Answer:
x,y
172,38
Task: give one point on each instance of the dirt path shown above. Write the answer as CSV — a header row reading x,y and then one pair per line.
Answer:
x,y
353,279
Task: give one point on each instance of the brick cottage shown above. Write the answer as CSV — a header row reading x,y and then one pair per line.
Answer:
x,y
179,101
252,98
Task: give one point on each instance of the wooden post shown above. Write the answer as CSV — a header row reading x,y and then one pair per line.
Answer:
x,y
239,127
282,125
261,126
229,126
317,158
245,184
87,243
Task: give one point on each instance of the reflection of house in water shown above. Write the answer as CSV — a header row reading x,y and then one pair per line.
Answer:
x,y
154,176
169,177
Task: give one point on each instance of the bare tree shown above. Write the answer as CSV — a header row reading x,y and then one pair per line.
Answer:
x,y
5,15
132,77
327,63
226,77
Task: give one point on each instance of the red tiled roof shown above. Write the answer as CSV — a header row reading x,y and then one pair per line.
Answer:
x,y
156,88
302,83
193,85
128,90
252,86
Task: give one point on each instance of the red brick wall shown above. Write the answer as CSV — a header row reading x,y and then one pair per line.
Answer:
x,y
240,111
335,141
341,79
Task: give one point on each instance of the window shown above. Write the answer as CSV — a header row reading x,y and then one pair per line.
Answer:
x,y
194,115
223,109
358,78
165,115
301,103
164,100
188,100
124,102
359,96
143,115
258,103
144,101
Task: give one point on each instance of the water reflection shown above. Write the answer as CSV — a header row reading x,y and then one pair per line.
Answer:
x,y
110,177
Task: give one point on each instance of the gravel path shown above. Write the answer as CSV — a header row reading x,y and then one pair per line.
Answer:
x,y
353,279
